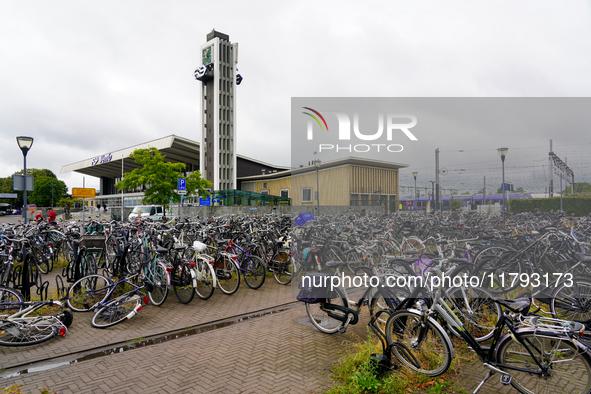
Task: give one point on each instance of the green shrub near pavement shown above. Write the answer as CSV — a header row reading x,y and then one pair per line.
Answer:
x,y
578,206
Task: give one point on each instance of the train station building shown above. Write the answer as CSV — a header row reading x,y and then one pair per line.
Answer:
x,y
238,179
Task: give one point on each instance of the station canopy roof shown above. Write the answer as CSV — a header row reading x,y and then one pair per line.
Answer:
x,y
174,148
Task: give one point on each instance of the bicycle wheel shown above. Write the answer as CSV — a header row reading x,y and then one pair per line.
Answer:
x,y
378,302
205,279
572,302
88,265
319,317
12,299
254,271
476,310
430,355
116,311
569,367
227,275
111,253
354,259
41,260
412,245
282,267
87,292
182,282
500,270
158,278
27,331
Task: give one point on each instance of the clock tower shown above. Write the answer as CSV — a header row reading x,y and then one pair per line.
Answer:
x,y
217,73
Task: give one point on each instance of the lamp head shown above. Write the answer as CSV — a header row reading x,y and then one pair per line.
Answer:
x,y
24,143
503,152
415,174
317,163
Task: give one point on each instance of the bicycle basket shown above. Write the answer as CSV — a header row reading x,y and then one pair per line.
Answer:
x,y
199,246
315,288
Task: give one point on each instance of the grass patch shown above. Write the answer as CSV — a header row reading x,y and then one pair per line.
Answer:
x,y
355,374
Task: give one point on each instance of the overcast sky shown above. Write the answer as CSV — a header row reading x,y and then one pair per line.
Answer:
x,y
87,78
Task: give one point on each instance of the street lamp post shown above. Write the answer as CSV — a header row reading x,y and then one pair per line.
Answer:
x,y
25,144
317,165
415,202
503,154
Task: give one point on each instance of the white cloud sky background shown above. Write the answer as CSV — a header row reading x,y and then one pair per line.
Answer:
x,y
87,78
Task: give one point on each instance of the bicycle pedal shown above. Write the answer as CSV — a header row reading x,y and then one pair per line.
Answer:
x,y
342,329
506,379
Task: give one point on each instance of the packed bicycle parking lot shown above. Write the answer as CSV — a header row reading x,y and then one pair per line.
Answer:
x,y
120,268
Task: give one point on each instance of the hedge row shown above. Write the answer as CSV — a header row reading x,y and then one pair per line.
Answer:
x,y
578,206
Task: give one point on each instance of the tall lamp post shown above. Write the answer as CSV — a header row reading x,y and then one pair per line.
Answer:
x,y
25,144
503,154
415,202
317,165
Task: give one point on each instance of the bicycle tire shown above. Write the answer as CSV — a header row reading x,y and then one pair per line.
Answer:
x,y
115,311
254,272
227,275
282,267
159,280
354,259
24,334
432,356
111,253
572,302
88,292
476,309
320,318
500,270
205,278
378,302
412,245
88,265
182,282
40,260
13,297
572,378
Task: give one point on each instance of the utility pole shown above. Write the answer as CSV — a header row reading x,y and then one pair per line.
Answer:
x,y
432,195
437,196
484,193
550,172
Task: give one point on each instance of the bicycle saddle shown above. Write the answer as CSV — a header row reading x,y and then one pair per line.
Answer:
x,y
518,305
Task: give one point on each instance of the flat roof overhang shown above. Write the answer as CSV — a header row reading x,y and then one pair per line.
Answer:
x,y
326,165
175,149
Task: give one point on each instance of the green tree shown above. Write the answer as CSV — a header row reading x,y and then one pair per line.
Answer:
x,y
579,188
44,187
454,205
160,178
41,197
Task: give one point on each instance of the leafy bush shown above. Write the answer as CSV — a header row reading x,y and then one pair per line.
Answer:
x,y
578,206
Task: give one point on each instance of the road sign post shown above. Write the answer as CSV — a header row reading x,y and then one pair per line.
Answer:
x,y
182,190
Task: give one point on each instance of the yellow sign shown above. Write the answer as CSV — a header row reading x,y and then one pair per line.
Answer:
x,y
80,192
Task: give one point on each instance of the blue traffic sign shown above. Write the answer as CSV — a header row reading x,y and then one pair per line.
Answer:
x,y
182,185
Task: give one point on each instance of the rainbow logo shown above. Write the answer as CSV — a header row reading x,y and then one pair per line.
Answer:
x,y
315,118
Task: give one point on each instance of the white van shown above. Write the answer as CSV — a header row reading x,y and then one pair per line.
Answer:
x,y
152,212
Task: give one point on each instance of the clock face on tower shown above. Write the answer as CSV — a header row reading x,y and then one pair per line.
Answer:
x,y
206,56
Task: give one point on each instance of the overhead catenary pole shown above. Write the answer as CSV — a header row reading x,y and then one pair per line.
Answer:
x,y
550,173
437,196
122,187
484,193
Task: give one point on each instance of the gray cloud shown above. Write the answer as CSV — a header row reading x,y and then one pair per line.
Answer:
x,y
87,78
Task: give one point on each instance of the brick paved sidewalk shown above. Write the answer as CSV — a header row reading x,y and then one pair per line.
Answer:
x,y
269,354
